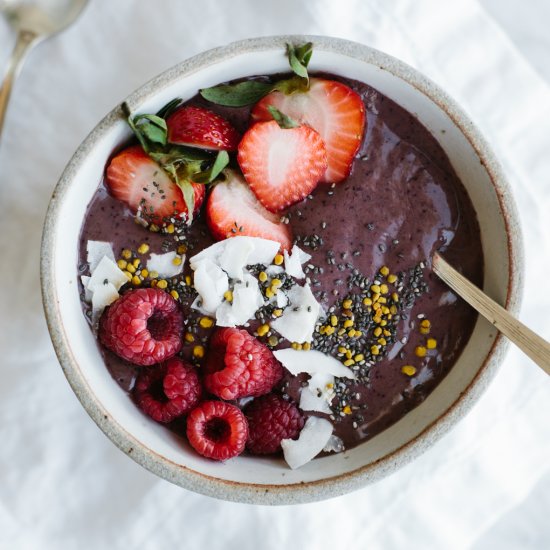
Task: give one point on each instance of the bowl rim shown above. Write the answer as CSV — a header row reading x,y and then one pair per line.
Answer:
x,y
331,486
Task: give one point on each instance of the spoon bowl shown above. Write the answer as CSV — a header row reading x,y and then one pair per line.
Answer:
x,y
33,22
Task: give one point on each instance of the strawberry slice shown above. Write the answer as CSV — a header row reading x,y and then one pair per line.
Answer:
x,y
281,165
331,108
232,210
136,179
199,127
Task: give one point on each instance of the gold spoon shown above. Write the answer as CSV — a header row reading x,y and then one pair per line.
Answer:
x,y
32,22
525,339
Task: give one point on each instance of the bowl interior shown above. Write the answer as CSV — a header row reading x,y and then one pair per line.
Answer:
x,y
83,363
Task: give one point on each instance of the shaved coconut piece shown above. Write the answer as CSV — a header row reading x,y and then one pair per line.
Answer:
x,y
211,283
281,298
312,402
262,251
95,251
235,256
334,444
247,299
294,261
87,293
297,323
313,438
197,305
273,270
312,362
164,265
318,394
103,296
106,270
213,252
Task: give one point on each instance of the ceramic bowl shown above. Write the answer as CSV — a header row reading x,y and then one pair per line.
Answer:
x,y
270,481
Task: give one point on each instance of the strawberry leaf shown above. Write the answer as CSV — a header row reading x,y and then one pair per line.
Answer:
x,y
237,95
177,154
209,175
251,91
152,127
186,189
298,57
284,121
169,108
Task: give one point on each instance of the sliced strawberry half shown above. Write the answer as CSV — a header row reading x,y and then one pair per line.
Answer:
x,y
281,165
136,179
233,210
199,127
331,108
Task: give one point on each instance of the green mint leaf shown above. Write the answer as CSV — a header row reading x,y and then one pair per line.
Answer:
x,y
237,95
298,57
152,127
169,108
282,120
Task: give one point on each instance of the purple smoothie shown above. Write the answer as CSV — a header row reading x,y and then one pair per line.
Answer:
x,y
402,202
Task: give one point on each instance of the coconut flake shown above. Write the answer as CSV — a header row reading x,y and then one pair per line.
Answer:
x,y
298,320
213,253
164,265
260,251
95,251
234,257
274,270
294,261
106,270
103,295
318,394
87,293
311,402
247,299
211,283
334,445
314,436
312,362
281,298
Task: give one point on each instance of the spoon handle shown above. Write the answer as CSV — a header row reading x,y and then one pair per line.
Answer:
x,y
25,40
530,343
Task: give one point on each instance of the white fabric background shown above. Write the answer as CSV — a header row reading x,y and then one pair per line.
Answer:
x,y
63,485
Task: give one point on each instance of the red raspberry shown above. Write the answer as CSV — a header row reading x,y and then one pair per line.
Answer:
x,y
237,365
217,430
169,391
271,419
144,326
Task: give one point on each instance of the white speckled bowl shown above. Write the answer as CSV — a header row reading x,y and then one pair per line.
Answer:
x,y
270,481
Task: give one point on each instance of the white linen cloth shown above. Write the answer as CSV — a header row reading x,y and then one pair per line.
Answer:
x,y
63,485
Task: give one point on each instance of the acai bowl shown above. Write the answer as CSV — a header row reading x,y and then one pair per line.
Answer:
x,y
399,375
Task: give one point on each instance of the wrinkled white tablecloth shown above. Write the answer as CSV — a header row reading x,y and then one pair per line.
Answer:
x,y
63,485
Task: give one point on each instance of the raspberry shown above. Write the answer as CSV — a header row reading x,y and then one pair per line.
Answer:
x,y
217,430
271,419
168,391
144,326
238,365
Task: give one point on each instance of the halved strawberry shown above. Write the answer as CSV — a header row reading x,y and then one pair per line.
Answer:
x,y
199,127
136,179
233,210
281,165
331,108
